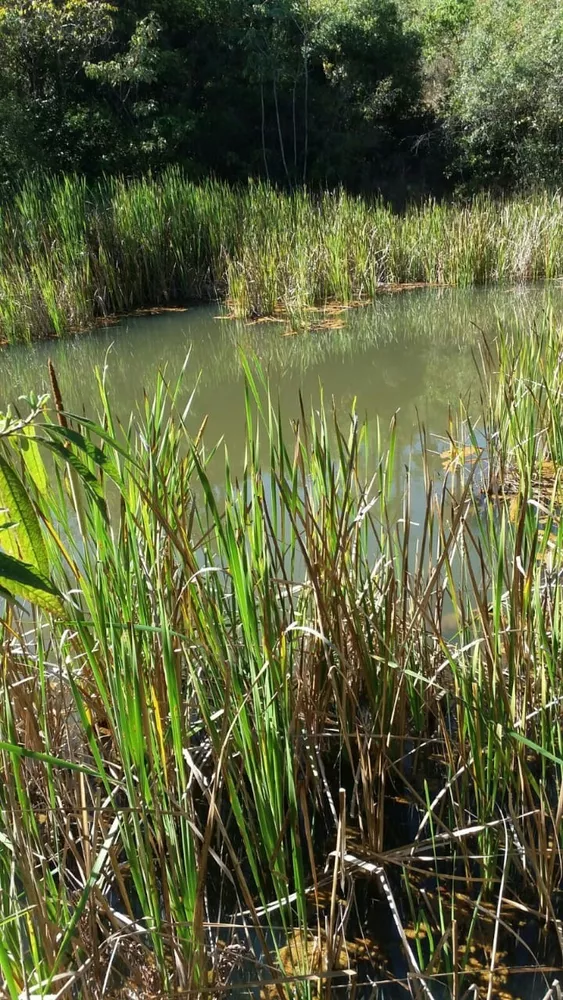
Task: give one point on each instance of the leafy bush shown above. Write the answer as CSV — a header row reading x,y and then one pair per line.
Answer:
x,y
505,113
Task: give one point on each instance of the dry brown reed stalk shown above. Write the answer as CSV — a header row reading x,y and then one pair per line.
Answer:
x,y
57,397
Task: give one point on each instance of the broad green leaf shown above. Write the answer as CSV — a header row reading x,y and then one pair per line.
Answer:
x,y
28,448
19,579
88,447
83,472
24,541
102,433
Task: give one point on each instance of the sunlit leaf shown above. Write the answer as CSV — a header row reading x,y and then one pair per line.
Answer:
x,y
29,450
19,579
457,454
24,539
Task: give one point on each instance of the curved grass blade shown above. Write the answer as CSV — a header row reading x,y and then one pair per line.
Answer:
x,y
83,472
88,447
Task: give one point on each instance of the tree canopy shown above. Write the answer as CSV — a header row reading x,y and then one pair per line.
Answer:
x,y
388,95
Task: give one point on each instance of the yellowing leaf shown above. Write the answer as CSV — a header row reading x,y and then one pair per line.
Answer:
x,y
31,455
514,508
457,454
23,540
18,579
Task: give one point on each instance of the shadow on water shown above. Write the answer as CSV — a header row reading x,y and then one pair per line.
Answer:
x,y
372,962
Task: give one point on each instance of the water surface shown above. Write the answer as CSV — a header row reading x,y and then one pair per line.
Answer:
x,y
413,353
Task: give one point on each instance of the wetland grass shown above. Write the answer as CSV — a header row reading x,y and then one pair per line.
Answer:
x,y
277,734
72,254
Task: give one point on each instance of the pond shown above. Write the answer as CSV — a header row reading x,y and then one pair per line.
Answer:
x,y
413,353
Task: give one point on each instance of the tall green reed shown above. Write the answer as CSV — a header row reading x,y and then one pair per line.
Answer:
x,y
71,253
259,710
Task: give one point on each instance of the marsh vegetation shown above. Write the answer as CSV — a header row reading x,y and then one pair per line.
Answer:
x,y
71,253
280,714
275,734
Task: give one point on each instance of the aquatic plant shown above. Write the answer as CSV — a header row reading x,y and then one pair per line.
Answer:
x,y
71,254
278,734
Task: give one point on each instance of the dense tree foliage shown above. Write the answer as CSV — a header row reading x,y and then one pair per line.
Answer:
x,y
394,95
506,108
493,77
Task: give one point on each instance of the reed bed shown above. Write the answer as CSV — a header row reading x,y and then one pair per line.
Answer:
x,y
70,254
275,738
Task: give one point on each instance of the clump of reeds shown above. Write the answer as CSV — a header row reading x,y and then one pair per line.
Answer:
x,y
70,254
252,727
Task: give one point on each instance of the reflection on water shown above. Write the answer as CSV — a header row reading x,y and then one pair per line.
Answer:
x,y
412,352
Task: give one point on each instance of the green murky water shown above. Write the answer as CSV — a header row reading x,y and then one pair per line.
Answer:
x,y
413,353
